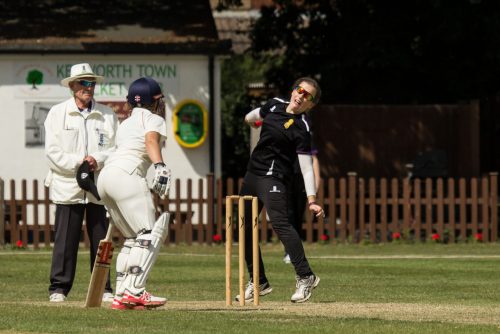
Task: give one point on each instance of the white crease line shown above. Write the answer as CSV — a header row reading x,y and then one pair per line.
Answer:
x,y
324,257
390,257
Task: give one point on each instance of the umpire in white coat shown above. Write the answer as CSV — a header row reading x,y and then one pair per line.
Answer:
x,y
77,130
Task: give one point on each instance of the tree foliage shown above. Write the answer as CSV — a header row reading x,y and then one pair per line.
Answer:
x,y
237,72
374,51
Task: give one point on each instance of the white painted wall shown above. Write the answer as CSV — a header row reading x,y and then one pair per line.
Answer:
x,y
184,77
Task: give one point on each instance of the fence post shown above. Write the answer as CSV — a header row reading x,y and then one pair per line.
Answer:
x,y
494,206
451,209
417,209
485,209
463,209
2,213
395,206
14,237
332,209
343,209
361,209
47,227
321,221
210,209
406,206
219,220
383,209
188,227
352,204
474,205
201,200
24,214
372,208
440,207
428,208
178,219
36,226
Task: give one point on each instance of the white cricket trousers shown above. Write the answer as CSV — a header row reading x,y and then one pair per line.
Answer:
x,y
128,200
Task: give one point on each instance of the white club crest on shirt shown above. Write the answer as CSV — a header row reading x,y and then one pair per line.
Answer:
x,y
84,176
275,190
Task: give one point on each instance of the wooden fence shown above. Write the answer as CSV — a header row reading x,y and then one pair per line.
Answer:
x,y
374,210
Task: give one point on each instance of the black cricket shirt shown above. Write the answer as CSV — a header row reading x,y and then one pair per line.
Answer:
x,y
282,137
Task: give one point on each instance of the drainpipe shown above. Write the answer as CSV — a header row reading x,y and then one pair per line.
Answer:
x,y
211,139
211,112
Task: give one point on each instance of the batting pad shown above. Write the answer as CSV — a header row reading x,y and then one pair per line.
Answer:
x,y
122,265
143,255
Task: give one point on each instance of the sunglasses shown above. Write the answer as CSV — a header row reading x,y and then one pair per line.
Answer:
x,y
308,96
86,83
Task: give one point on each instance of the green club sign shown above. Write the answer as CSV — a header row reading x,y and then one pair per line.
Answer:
x,y
190,123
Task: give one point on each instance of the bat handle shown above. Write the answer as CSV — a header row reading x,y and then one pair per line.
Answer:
x,y
110,231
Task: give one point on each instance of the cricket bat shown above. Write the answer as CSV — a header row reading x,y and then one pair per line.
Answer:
x,y
100,272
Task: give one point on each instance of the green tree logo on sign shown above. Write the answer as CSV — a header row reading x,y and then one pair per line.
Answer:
x,y
35,77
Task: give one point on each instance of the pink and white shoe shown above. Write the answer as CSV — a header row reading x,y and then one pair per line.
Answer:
x,y
145,299
118,305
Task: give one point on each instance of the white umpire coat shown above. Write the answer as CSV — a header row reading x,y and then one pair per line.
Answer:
x,y
70,136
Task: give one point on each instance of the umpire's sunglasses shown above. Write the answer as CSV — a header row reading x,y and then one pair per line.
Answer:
x,y
308,96
87,83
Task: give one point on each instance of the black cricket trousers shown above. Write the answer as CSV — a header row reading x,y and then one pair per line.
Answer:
x,y
272,194
68,228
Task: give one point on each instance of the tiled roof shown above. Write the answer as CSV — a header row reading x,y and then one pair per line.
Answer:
x,y
94,26
236,26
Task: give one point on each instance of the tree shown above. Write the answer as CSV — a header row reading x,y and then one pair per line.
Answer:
x,y
237,72
373,51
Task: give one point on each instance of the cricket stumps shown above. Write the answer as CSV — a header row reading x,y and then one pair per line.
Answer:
x,y
241,243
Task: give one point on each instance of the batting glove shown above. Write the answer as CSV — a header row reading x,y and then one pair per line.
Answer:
x,y
161,181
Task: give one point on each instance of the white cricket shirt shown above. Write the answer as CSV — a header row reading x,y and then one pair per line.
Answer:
x,y
130,154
